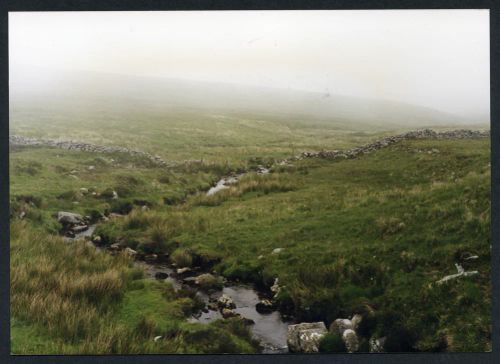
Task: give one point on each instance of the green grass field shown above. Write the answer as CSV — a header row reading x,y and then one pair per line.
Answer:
x,y
369,235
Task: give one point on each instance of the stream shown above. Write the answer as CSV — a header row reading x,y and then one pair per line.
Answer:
x,y
268,328
226,182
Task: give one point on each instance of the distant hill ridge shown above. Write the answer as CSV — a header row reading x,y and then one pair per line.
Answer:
x,y
119,94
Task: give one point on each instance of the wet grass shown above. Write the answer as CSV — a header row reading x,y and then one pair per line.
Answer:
x,y
70,298
368,235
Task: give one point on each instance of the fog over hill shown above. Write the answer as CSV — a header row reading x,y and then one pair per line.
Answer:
x,y
65,93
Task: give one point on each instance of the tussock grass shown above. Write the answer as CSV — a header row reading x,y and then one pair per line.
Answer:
x,y
74,298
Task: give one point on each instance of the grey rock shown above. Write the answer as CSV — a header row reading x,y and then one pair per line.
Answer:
x,y
265,306
225,301
227,313
183,270
130,252
305,337
79,228
69,218
376,344
350,340
340,325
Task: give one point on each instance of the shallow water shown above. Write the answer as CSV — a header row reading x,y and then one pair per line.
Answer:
x,y
83,234
269,328
223,184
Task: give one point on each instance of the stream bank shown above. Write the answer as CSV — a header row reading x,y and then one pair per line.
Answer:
x,y
269,328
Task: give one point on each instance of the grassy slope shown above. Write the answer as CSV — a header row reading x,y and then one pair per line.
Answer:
x,y
74,299
182,134
361,232
356,233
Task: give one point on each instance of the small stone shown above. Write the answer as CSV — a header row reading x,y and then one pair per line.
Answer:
x,y
69,218
264,306
355,321
340,325
115,247
79,228
305,337
130,252
277,250
350,340
183,270
225,301
227,313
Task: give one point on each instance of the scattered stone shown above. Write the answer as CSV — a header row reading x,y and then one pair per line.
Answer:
x,y
91,168
377,345
227,313
115,195
22,214
157,338
305,337
84,191
183,270
97,239
356,320
144,208
350,340
275,288
265,306
340,325
115,247
79,228
277,250
69,218
225,301
130,252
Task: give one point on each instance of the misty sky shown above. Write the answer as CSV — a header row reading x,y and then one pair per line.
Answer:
x,y
435,58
